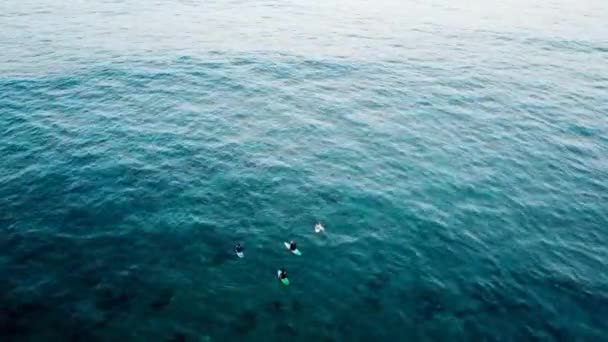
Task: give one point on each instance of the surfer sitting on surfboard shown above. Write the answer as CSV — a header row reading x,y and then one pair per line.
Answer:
x,y
282,275
319,228
291,246
239,250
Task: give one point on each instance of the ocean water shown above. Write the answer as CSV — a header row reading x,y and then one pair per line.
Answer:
x,y
456,152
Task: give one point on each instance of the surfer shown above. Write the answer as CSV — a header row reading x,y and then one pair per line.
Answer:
x,y
292,247
319,228
239,250
282,275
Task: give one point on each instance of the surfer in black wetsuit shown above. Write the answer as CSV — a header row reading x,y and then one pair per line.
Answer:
x,y
283,274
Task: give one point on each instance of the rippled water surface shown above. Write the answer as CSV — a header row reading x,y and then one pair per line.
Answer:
x,y
456,151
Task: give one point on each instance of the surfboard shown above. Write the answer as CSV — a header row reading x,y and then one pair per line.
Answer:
x,y
285,281
296,251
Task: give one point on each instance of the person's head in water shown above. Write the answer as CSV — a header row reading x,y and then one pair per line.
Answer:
x,y
239,248
283,273
293,246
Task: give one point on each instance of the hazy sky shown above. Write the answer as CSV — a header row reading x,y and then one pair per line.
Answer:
x,y
32,29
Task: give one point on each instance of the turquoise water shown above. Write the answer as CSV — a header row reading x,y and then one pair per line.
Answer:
x,y
456,152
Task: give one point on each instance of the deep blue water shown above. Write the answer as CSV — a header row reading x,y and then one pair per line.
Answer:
x,y
457,153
